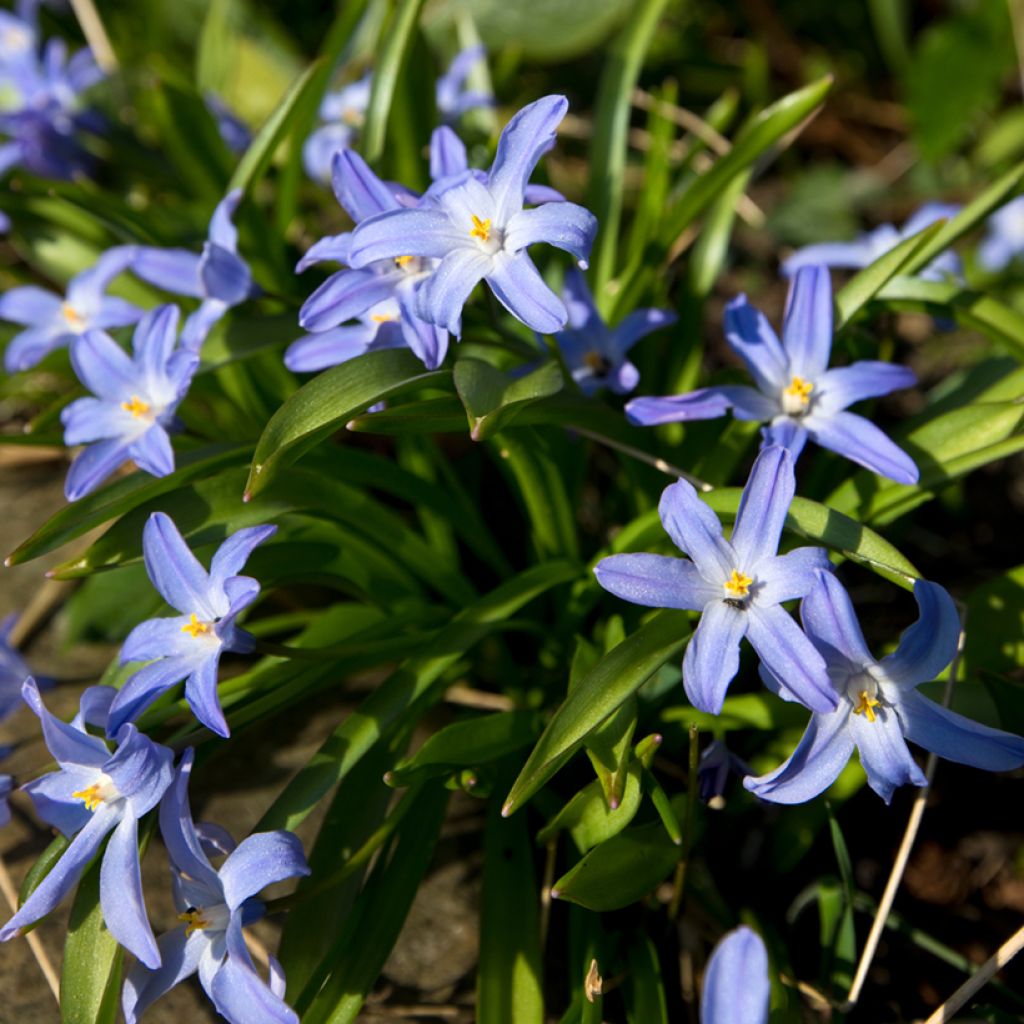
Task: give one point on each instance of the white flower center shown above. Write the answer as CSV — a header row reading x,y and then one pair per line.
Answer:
x,y
102,791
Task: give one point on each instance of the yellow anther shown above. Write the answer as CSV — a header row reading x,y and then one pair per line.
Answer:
x,y
800,389
382,318
194,921
866,706
481,228
90,796
195,627
738,584
401,261
75,319
137,407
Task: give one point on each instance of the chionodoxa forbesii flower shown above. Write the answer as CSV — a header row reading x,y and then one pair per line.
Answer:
x,y
797,395
96,792
738,585
188,646
878,707
213,907
134,404
479,230
736,985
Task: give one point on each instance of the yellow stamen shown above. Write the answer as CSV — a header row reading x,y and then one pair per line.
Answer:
x,y
194,920
800,389
75,320
597,362
381,318
90,796
738,584
137,407
195,627
866,706
481,228
401,261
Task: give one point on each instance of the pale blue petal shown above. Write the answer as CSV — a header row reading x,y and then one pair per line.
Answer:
x,y
179,959
787,433
359,191
85,290
238,992
224,276
124,911
790,656
201,694
232,555
259,861
957,738
447,154
831,624
318,351
184,845
51,797
29,305
144,687
537,194
807,323
69,746
518,286
92,419
93,466
656,581
27,348
696,531
752,338
713,656
140,769
870,378
639,324
105,368
860,441
763,506
428,342
736,986
787,577
344,296
563,225
850,255
441,297
318,150
158,638
222,231
199,324
928,646
152,451
154,339
820,756
332,248
406,233
176,573
113,312
702,404
174,270
884,753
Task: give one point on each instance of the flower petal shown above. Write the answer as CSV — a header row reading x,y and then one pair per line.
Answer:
x,y
179,959
860,441
232,555
957,738
344,296
428,342
518,286
199,324
184,846
259,861
807,323
928,646
869,378
201,694
359,191
124,911
441,297
884,753
224,275
789,576
639,324
174,270
30,347
787,433
152,451
819,757
51,797
657,581
140,769
93,466
154,339
851,255
331,248
405,233
751,337
240,994
831,624
563,225
70,746
524,140
696,531
176,573
145,686
702,404
29,305
763,506
787,653
713,655
222,231
92,419
736,987
105,368
322,349
447,154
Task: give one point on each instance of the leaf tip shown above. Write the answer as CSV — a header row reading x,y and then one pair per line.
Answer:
x,y
507,808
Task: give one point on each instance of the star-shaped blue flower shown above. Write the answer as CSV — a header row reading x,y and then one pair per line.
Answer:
x,y
54,321
134,403
95,793
219,277
739,585
797,394
188,646
213,907
736,985
878,707
479,230
343,111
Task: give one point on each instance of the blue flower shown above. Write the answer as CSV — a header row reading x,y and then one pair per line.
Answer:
x,y
717,764
863,251
53,321
13,670
344,112
453,97
96,793
796,393
596,353
479,230
135,401
739,585
213,908
233,130
1004,240
879,707
381,296
188,646
219,277
736,985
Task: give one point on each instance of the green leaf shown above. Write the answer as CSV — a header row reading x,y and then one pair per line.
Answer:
x,y
42,867
122,496
466,744
867,283
620,871
405,692
510,972
257,157
605,687
396,36
90,976
994,638
492,399
645,990
328,401
609,143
